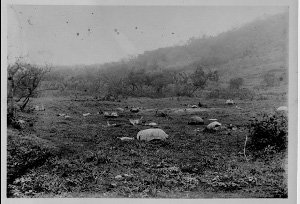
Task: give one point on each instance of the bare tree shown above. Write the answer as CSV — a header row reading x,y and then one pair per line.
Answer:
x,y
24,80
199,78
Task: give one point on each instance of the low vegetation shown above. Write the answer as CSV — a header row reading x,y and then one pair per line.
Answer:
x,y
223,93
269,132
83,157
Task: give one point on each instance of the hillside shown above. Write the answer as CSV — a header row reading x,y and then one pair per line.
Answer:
x,y
251,50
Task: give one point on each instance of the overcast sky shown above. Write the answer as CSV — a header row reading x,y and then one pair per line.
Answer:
x,y
68,35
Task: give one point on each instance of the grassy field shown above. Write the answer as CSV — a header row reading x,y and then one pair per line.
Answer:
x,y
81,157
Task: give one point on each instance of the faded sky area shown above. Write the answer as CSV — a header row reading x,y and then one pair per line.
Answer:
x,y
68,35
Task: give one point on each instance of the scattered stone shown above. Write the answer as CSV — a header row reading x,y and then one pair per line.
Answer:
x,y
111,115
21,121
239,108
282,108
114,114
126,138
86,114
113,185
152,124
67,117
196,120
135,121
61,114
198,129
214,126
231,127
213,119
120,109
194,106
134,110
229,102
119,177
128,176
152,134
109,125
39,108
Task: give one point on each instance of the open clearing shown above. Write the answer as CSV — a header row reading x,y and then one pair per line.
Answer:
x,y
83,157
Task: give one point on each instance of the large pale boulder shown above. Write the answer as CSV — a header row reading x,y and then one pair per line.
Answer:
x,y
214,125
152,134
196,120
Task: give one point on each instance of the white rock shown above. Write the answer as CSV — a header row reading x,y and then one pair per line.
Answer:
x,y
119,177
114,114
127,175
152,124
86,114
111,115
282,108
152,134
229,102
213,125
39,108
126,138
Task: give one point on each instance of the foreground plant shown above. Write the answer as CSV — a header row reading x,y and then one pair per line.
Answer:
x,y
269,132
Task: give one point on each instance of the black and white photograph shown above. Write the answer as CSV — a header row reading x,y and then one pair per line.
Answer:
x,y
155,101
